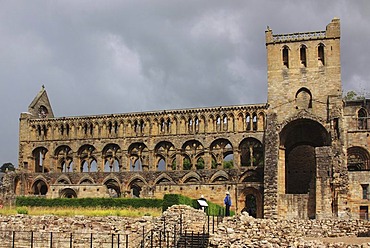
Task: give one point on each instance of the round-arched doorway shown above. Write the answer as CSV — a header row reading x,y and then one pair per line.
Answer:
x,y
299,141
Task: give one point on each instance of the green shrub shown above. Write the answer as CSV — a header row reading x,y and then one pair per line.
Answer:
x,y
22,210
89,202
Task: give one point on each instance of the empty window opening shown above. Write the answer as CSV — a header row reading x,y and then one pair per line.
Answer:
x,y
248,122
67,166
111,165
168,126
196,121
362,119
110,128
161,166
254,122
115,127
186,164
136,164
228,161
91,129
218,123
39,157
224,123
251,152
142,126
93,166
365,191
321,54
85,128
61,129
135,127
302,52
162,126
200,164
190,125
39,130
214,163
286,57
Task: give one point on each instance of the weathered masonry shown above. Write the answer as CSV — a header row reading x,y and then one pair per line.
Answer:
x,y
303,154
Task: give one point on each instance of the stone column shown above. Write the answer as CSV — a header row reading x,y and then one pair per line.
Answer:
x,y
236,156
323,193
271,168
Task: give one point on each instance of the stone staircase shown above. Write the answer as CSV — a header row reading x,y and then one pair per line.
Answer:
x,y
192,240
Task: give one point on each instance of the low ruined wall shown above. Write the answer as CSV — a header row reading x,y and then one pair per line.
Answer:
x,y
246,231
237,231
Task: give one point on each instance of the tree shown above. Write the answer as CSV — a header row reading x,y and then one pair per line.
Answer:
x,y
353,95
228,164
7,167
186,164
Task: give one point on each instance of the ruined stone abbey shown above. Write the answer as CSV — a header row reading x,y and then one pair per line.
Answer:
x,y
303,154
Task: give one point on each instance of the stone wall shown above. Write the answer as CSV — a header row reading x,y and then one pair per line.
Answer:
x,y
245,231
237,231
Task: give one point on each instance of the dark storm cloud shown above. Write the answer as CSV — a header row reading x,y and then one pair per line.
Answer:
x,y
120,56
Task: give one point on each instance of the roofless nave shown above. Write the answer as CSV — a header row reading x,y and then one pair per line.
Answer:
x,y
303,154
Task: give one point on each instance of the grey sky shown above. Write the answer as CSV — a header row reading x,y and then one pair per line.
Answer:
x,y
98,57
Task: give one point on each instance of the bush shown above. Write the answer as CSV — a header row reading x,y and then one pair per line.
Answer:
x,y
89,202
22,211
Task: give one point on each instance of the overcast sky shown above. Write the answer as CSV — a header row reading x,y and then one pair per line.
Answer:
x,y
101,57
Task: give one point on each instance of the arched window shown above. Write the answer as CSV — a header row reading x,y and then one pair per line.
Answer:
x,y
303,99
224,123
248,122
362,119
286,56
190,125
321,54
196,122
358,159
303,57
254,121
168,126
67,129
162,126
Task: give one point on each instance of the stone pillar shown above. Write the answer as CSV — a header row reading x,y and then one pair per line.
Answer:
x,y
323,171
207,160
179,161
100,163
76,163
152,165
236,156
271,168
281,171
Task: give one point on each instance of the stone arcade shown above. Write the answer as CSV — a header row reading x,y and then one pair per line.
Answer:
x,y
303,154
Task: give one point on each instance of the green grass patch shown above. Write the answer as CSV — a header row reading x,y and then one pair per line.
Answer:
x,y
84,211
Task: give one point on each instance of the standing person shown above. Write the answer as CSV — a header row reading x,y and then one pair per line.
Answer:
x,y
227,202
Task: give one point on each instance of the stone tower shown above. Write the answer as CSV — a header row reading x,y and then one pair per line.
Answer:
x,y
304,123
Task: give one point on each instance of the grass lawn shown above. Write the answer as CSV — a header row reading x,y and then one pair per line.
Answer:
x,y
73,211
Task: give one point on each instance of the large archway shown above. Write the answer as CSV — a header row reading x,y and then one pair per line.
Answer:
x,y
299,140
252,202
